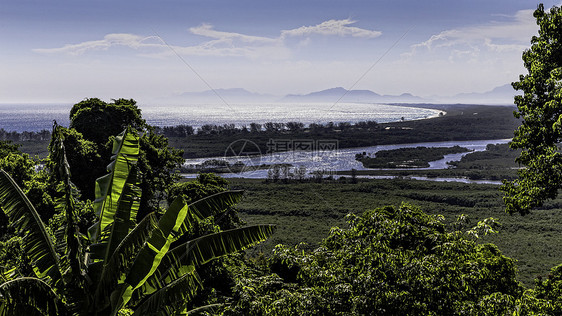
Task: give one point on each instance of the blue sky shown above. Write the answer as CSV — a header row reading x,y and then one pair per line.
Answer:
x,y
64,51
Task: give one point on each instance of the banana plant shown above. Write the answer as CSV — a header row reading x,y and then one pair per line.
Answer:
x,y
145,267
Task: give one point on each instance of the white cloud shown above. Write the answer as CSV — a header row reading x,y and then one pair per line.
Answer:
x,y
332,27
110,40
513,34
220,43
474,57
207,30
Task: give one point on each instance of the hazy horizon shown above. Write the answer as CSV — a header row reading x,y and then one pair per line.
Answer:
x,y
66,51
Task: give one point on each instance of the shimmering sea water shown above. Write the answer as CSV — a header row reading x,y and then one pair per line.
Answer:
x,y
36,117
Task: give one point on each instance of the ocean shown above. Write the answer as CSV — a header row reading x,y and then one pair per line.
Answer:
x,y
36,117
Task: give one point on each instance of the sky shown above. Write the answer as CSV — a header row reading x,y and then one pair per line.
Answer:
x,y
65,51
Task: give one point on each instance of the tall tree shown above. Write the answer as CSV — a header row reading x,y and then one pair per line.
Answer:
x,y
92,124
540,108
90,115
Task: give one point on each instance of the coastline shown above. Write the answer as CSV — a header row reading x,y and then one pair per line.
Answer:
x,y
34,117
458,123
462,122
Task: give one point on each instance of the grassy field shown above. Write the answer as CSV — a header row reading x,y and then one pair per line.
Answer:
x,y
305,212
35,148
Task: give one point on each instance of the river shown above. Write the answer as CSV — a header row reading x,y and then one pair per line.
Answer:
x,y
336,159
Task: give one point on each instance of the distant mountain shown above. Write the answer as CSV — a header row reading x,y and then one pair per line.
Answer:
x,y
229,95
499,95
502,95
343,95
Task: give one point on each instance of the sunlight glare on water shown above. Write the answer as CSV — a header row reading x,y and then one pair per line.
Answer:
x,y
36,117
241,114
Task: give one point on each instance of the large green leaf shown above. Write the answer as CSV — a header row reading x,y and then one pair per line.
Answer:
x,y
216,203
23,217
202,250
116,188
122,259
126,212
29,296
209,206
149,257
171,298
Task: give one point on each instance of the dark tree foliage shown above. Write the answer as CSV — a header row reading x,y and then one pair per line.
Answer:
x,y
98,120
181,130
540,108
92,123
85,161
157,164
550,289
15,162
390,261
6,147
89,145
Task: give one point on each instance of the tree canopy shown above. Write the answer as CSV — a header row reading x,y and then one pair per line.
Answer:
x,y
390,261
540,108
97,120
89,139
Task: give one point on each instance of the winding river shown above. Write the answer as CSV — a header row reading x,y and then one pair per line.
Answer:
x,y
336,159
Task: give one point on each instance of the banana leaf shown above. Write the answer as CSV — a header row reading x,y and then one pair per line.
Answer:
x,y
216,203
124,218
172,298
202,250
72,261
212,205
149,257
122,259
23,217
29,296
115,188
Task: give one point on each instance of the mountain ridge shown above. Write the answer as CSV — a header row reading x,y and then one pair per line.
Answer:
x,y
344,95
498,95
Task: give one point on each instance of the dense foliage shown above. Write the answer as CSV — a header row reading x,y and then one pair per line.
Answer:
x,y
93,123
540,107
118,265
390,261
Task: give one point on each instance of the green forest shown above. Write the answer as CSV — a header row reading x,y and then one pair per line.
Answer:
x,y
97,220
